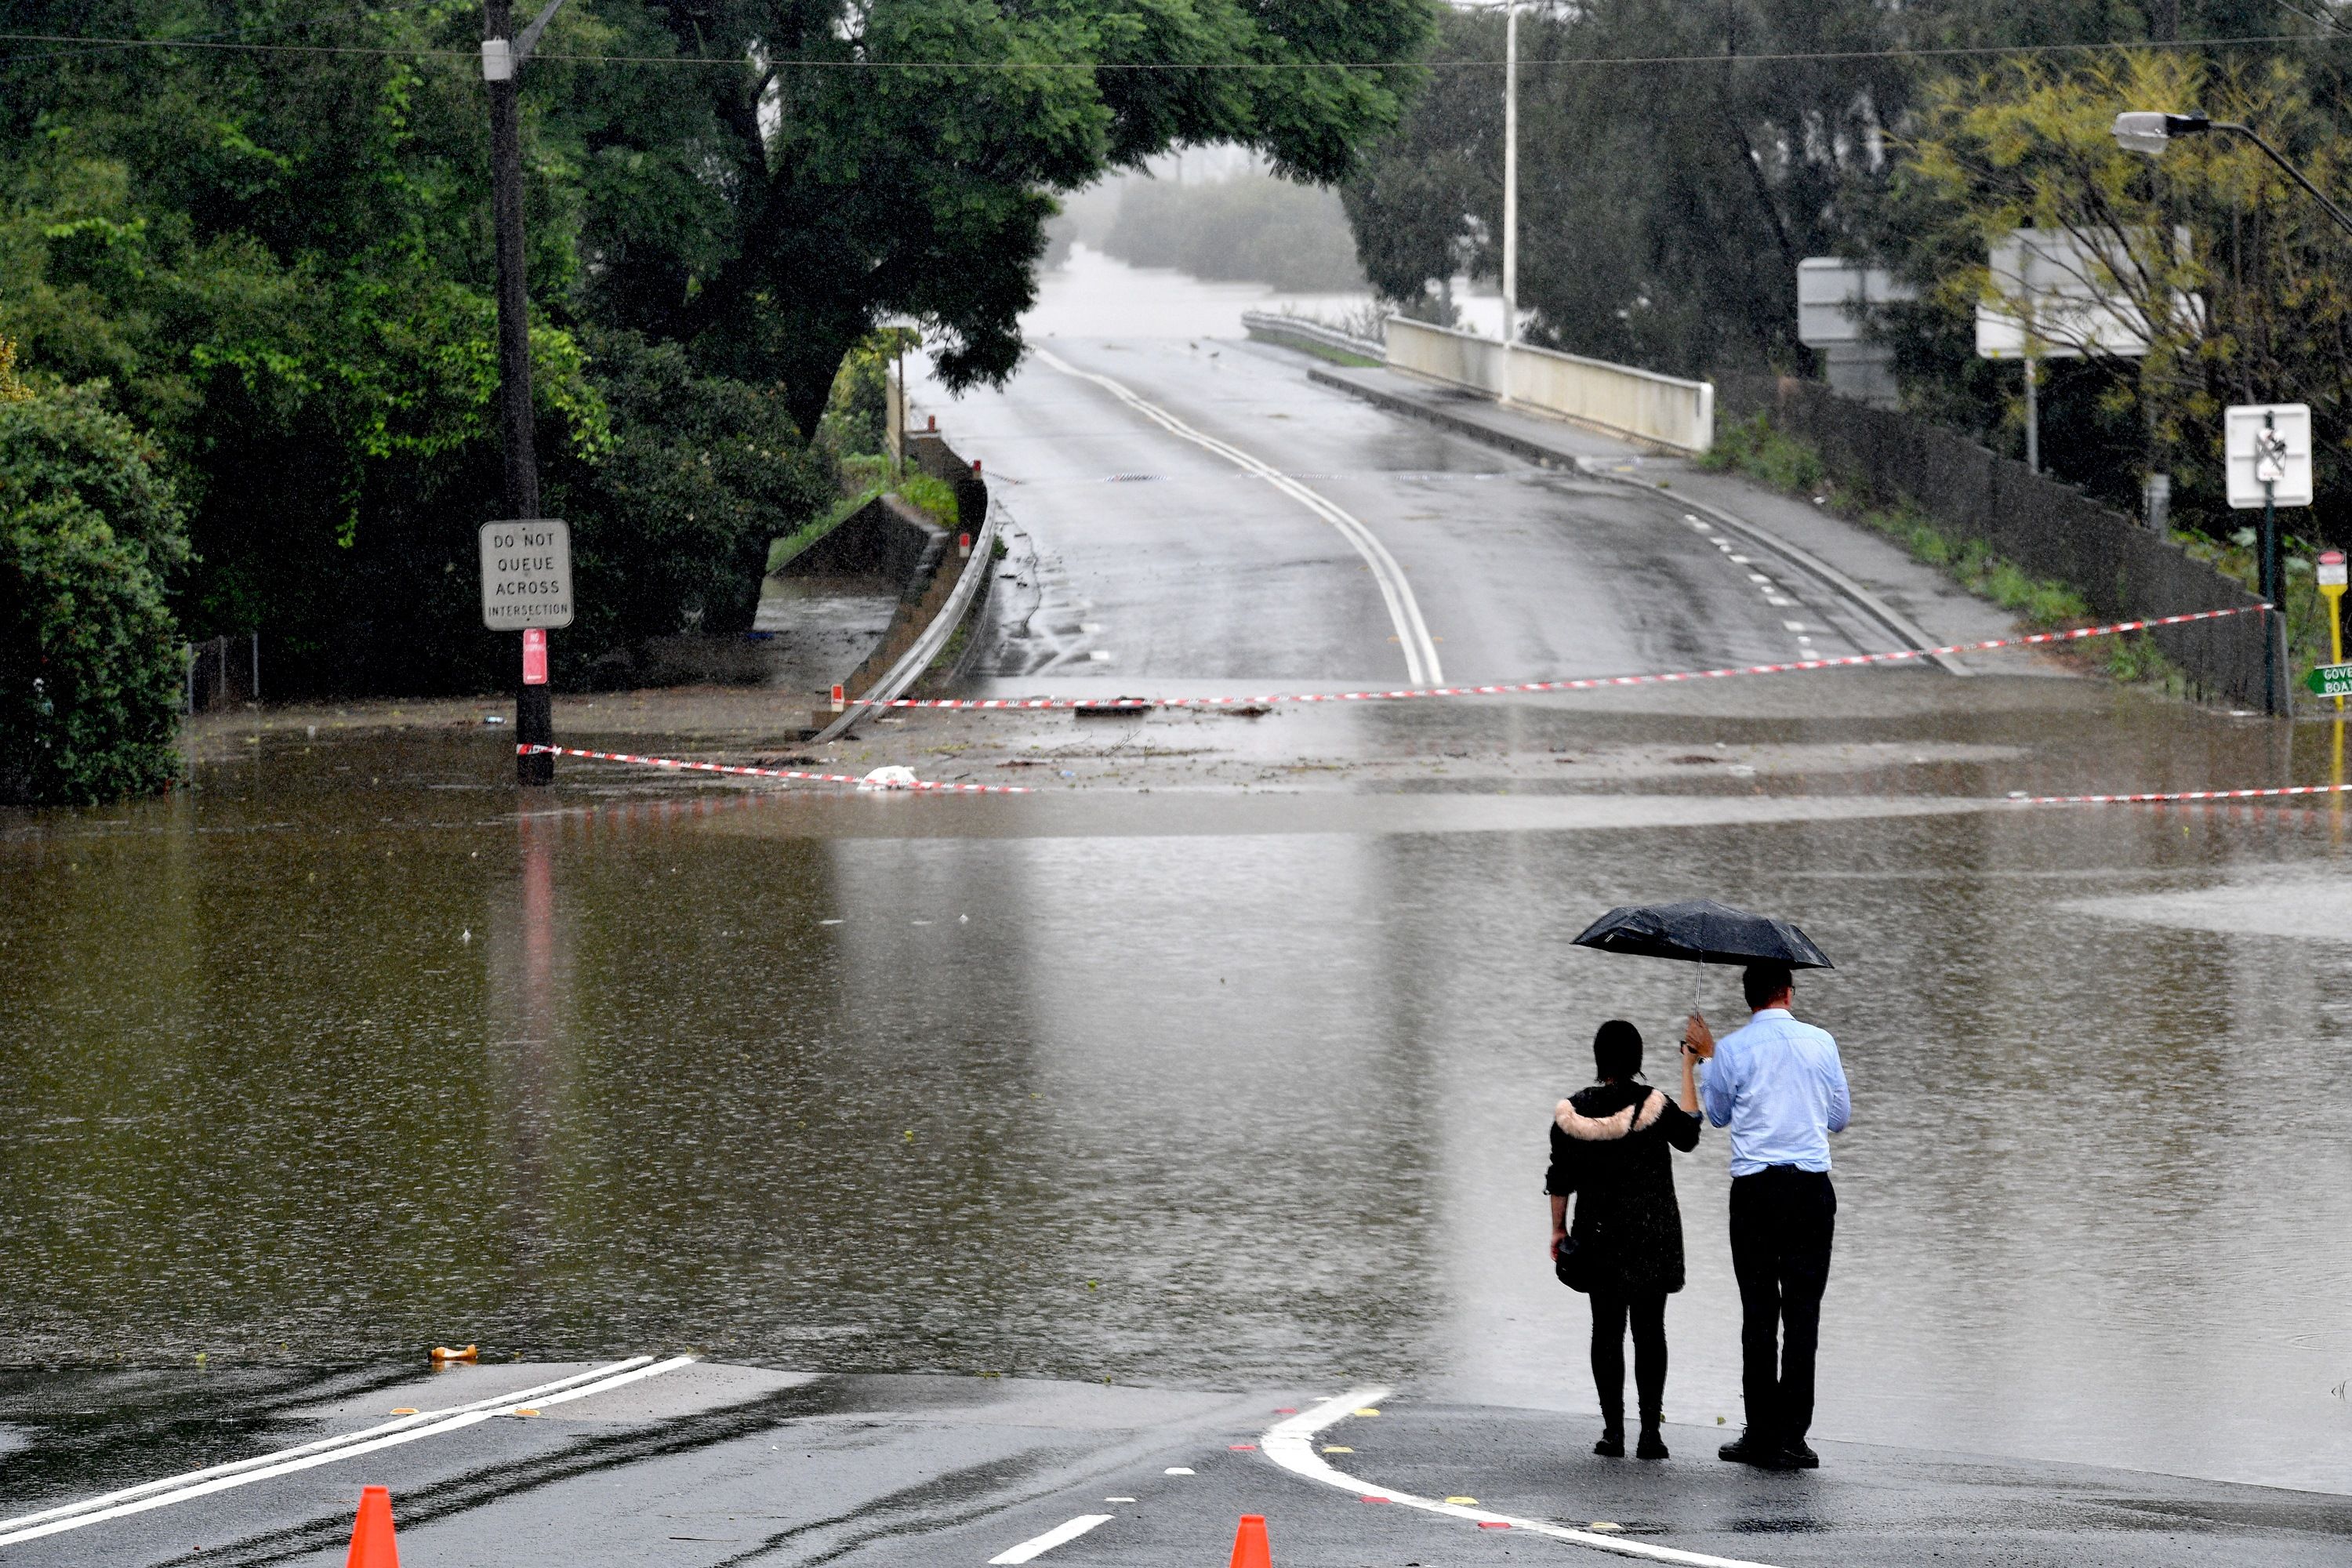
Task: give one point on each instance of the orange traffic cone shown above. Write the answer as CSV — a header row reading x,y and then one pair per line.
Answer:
x,y
372,1545
1249,1543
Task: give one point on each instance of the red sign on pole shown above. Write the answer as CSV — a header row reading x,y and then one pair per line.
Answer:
x,y
534,657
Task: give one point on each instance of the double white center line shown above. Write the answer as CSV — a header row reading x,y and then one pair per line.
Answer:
x,y
328,1450
1404,612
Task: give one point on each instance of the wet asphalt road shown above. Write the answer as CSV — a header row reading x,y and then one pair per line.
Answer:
x,y
1157,561
628,1163
711,1465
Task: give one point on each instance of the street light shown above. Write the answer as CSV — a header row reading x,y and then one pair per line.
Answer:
x,y
2152,132
1510,187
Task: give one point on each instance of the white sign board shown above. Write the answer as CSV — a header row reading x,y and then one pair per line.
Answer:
x,y
2268,441
1835,298
2051,290
526,575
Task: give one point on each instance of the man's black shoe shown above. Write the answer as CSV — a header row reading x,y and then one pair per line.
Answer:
x,y
1751,1449
1801,1456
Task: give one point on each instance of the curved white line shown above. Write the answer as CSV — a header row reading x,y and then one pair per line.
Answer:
x,y
327,1450
1291,1445
1421,662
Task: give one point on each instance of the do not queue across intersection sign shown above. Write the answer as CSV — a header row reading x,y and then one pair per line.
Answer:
x,y
526,575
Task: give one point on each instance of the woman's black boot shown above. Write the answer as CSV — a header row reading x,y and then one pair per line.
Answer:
x,y
1651,1446
1612,1436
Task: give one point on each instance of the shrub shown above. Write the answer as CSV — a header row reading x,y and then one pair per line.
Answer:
x,y
90,662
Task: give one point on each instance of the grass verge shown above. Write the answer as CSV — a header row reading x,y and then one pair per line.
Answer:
x,y
936,499
1320,350
1761,451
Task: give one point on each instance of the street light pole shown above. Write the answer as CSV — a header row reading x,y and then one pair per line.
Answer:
x,y
1510,186
502,58
2150,131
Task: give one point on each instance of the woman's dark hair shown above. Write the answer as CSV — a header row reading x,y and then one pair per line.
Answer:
x,y
1617,1050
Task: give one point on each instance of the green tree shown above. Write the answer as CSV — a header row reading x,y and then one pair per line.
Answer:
x,y
2243,283
279,260
89,666
900,158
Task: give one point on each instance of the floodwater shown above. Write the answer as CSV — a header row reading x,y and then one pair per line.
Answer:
x,y
343,1053
1093,295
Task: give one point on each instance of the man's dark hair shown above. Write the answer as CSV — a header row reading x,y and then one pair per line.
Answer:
x,y
1617,1050
1763,984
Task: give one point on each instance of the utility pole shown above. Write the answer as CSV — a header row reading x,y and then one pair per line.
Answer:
x,y
502,58
1510,186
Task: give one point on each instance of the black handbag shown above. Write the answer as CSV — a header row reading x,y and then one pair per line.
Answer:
x,y
1577,1263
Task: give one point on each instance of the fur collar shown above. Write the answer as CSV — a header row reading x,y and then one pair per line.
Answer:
x,y
1602,1129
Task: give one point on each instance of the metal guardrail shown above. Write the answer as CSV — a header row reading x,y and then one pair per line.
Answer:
x,y
1305,331
1617,398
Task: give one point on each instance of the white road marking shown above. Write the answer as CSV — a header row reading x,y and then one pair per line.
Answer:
x,y
1404,611
328,1450
1038,1545
1291,1445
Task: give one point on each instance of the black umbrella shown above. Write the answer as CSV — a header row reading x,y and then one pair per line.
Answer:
x,y
1705,932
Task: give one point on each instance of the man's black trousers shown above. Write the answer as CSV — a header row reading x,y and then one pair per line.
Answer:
x,y
1781,1222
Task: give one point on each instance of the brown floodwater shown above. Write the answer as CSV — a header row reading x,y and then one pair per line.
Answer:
x,y
349,1050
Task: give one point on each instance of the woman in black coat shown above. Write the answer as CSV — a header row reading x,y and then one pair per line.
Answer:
x,y
1609,1148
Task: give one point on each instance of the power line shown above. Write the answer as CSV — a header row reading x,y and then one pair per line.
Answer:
x,y
1987,51
109,46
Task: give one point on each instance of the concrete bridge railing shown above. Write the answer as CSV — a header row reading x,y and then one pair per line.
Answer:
x,y
1662,410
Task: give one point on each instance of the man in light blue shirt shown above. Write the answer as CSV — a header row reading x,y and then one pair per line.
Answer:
x,y
1779,1085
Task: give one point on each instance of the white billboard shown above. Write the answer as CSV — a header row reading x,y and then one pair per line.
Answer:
x,y
2053,294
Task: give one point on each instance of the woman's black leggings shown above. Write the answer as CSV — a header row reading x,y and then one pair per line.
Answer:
x,y
1647,1314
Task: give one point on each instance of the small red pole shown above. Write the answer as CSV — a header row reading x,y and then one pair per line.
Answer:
x,y
963,545
840,700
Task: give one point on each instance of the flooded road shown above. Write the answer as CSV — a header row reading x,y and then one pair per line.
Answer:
x,y
338,1055
1223,1061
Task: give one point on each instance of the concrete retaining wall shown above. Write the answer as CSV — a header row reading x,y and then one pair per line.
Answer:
x,y
890,538
2122,569
1646,407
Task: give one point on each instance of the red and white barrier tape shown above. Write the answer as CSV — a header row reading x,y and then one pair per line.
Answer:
x,y
921,784
2160,797
1587,683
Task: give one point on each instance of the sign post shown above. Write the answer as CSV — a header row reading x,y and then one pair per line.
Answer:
x,y
527,588
2267,449
2331,576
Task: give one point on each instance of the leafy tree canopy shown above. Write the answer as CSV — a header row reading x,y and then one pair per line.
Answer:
x,y
276,255
90,668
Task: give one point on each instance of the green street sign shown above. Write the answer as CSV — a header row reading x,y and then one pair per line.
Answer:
x,y
2331,680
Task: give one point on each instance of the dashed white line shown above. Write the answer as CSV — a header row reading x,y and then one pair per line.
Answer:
x,y
1413,634
1061,1534
1291,1445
